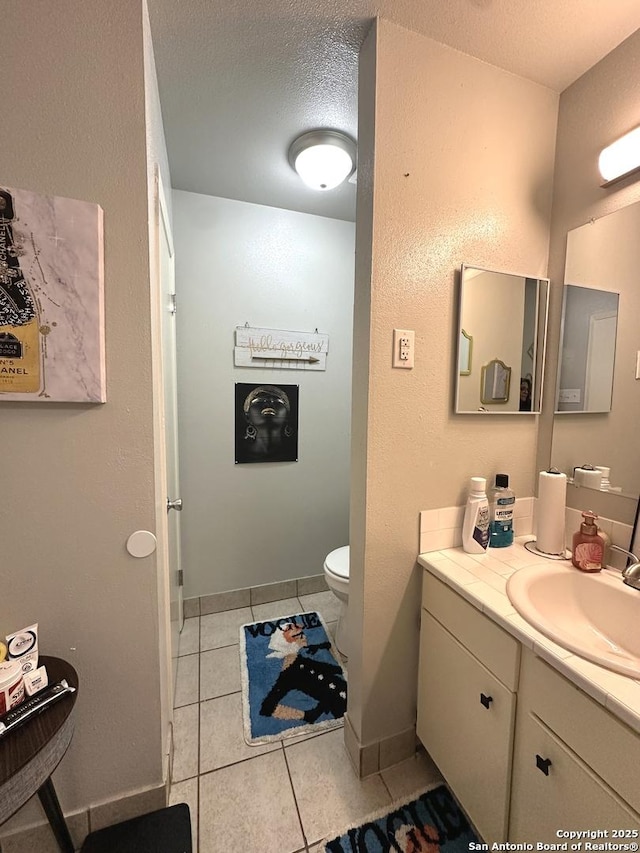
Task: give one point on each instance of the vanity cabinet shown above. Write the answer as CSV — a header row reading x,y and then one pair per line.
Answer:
x,y
466,704
570,758
523,749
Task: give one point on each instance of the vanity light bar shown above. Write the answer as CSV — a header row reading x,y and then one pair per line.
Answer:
x,y
621,158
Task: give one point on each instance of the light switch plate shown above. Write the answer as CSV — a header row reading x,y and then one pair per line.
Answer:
x,y
569,395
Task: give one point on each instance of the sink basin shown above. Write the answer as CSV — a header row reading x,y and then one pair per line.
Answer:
x,y
593,615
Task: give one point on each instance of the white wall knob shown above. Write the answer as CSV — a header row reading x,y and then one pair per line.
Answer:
x,y
141,543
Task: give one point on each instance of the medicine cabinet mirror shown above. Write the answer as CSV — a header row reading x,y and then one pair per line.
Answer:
x,y
501,339
601,276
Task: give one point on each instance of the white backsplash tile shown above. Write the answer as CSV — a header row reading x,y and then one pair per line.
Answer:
x,y
523,507
523,525
621,534
428,520
450,516
442,528
438,540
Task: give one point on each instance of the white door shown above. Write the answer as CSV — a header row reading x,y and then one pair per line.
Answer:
x,y
601,353
174,503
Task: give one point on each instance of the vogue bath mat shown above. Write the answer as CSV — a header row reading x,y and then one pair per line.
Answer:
x,y
292,681
428,822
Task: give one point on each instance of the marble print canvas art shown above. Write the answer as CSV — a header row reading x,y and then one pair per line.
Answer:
x,y
51,299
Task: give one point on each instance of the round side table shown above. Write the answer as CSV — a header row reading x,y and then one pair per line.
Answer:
x,y
30,753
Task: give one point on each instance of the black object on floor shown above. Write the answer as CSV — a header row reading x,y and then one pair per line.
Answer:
x,y
165,831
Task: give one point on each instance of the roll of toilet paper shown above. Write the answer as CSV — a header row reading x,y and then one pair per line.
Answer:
x,y
605,471
552,494
590,477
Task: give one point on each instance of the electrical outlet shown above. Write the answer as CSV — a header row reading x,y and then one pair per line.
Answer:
x,y
403,348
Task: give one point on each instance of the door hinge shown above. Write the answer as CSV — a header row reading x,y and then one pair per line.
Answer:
x,y
180,574
172,304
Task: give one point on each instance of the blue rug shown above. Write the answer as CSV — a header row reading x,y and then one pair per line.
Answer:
x,y
292,680
428,823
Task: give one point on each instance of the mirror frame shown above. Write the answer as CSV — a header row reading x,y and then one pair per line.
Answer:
x,y
493,367
465,345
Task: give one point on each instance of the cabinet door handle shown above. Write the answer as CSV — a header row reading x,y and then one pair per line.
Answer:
x,y
543,764
486,700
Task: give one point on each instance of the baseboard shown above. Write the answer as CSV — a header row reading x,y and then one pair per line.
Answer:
x,y
233,599
370,758
38,835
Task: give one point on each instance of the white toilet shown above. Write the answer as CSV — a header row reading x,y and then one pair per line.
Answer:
x,y
336,572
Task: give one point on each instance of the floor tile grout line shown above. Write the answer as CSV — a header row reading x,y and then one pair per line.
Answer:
x,y
198,838
217,648
295,799
239,761
223,696
266,603
189,654
180,781
197,814
382,779
199,727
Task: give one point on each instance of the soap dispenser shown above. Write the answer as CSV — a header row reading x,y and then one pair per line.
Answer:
x,y
588,545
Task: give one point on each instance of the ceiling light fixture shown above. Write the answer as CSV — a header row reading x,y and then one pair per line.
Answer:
x,y
323,158
621,158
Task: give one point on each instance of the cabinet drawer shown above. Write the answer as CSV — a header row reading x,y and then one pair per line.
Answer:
x,y
497,650
471,742
606,744
570,797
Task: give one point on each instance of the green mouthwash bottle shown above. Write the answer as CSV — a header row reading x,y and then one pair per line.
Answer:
x,y
502,504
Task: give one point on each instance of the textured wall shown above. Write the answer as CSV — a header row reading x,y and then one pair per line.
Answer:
x,y
80,477
462,173
597,109
250,524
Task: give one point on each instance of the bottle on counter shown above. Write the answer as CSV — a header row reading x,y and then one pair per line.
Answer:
x,y
588,545
475,528
502,505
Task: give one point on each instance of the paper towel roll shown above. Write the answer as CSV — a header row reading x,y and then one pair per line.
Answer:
x,y
552,494
587,476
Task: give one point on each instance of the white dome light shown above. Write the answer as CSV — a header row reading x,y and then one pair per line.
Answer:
x,y
621,157
323,158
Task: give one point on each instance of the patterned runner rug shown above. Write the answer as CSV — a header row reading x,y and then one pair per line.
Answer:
x,y
428,822
292,679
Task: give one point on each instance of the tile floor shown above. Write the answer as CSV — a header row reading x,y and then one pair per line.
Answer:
x,y
283,797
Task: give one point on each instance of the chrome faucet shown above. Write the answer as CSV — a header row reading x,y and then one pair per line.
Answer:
x,y
630,575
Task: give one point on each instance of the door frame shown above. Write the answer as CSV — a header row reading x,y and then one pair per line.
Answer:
x,y
157,213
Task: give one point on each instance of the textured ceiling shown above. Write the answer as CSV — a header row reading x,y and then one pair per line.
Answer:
x,y
239,80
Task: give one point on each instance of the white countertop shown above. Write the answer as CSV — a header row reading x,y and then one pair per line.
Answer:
x,y
482,579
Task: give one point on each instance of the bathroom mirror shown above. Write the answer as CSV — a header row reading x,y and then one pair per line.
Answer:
x,y
587,350
501,336
604,255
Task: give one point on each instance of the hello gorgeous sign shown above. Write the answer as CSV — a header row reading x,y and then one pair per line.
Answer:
x,y
256,347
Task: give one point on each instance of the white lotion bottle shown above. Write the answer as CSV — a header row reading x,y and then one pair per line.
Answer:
x,y
475,528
